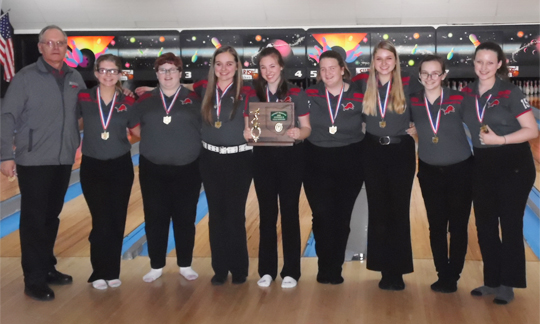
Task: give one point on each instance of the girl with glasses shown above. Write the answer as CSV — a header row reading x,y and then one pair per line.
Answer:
x,y
170,122
501,124
106,172
444,170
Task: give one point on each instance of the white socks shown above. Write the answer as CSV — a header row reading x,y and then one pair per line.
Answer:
x,y
288,282
99,284
102,284
114,283
188,273
265,281
153,275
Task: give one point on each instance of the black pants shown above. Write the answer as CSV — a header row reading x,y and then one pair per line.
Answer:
x,y
226,179
169,192
389,177
277,174
42,197
332,181
106,185
503,179
447,192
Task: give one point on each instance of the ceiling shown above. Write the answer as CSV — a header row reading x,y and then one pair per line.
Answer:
x,y
29,16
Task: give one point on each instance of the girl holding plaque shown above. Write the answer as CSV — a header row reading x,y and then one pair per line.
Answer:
x,y
444,170
170,124
334,150
106,172
226,163
390,165
501,124
277,174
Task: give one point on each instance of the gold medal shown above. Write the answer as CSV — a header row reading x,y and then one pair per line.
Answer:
x,y
217,124
167,120
435,139
382,124
484,128
332,129
105,136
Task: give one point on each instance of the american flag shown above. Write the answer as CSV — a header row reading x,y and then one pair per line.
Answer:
x,y
6,47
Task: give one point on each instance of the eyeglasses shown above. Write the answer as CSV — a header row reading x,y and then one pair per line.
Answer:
x,y
52,44
109,71
169,71
433,76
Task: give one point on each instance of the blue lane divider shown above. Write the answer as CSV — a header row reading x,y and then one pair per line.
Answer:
x,y
10,223
531,230
202,210
310,247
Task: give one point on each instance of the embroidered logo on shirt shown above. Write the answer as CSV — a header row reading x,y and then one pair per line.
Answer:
x,y
287,99
121,108
186,101
73,84
494,103
449,109
348,106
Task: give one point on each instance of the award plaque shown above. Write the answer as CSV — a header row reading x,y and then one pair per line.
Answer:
x,y
269,122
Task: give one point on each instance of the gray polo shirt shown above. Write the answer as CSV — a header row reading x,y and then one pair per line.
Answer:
x,y
231,132
176,143
121,118
452,146
348,121
506,104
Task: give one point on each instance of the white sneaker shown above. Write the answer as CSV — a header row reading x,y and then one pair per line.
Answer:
x,y
265,281
99,284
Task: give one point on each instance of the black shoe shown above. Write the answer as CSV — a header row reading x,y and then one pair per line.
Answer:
x,y
444,286
39,292
392,282
238,280
337,280
323,279
218,280
58,278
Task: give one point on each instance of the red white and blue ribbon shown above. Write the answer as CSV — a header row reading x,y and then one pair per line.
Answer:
x,y
168,108
480,114
334,115
382,108
219,98
434,126
105,122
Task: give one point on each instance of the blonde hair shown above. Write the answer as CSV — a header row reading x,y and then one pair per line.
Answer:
x,y
209,96
396,102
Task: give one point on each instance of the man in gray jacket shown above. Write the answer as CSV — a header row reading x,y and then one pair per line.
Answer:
x,y
39,120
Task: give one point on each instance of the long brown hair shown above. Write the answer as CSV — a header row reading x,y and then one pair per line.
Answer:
x,y
396,102
118,62
209,96
260,83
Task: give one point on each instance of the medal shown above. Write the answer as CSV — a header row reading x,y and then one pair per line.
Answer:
x,y
167,119
480,114
333,129
434,125
484,128
382,108
105,123
217,124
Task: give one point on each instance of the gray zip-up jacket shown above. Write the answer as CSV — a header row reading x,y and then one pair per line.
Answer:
x,y
38,119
